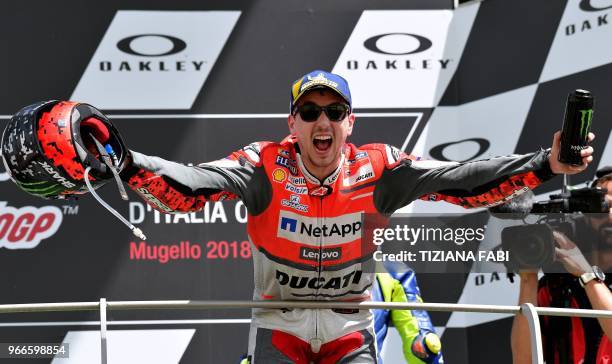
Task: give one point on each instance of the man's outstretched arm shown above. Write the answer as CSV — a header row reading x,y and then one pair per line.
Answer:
x,y
471,184
174,187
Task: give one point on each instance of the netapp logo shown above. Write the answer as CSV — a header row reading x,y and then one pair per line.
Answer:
x,y
155,59
587,5
325,254
305,230
321,231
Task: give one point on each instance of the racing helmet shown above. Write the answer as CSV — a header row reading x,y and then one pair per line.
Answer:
x,y
46,147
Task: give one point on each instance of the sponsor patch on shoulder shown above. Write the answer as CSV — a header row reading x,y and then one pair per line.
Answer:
x,y
363,173
360,155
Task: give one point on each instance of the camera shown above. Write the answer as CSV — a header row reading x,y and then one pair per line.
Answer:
x,y
531,245
587,200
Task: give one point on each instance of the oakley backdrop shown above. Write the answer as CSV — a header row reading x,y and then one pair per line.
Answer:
x,y
192,81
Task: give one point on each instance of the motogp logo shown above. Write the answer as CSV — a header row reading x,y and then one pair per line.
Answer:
x,y
25,227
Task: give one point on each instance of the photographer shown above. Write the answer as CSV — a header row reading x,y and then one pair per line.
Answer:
x,y
569,340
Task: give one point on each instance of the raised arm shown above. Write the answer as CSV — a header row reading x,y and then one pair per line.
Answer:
x,y
469,184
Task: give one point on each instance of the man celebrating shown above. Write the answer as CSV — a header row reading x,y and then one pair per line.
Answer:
x,y
305,197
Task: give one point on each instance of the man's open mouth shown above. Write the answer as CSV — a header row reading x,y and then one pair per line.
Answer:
x,y
322,143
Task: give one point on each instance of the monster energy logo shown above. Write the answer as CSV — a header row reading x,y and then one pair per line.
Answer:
x,y
585,122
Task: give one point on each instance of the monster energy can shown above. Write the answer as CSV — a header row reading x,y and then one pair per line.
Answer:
x,y
576,126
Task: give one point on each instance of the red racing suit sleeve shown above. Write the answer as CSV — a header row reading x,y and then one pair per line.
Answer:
x,y
470,184
173,187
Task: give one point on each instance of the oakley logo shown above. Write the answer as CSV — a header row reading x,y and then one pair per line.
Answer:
x,y
437,152
587,5
153,42
131,55
397,44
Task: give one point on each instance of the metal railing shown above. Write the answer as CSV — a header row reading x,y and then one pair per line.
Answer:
x,y
528,310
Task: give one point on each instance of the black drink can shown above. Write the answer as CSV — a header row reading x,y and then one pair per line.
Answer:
x,y
576,126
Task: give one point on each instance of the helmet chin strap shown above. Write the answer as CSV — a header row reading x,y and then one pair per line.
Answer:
x,y
106,158
136,231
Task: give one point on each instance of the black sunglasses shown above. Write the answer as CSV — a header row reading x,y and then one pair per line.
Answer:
x,y
310,112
